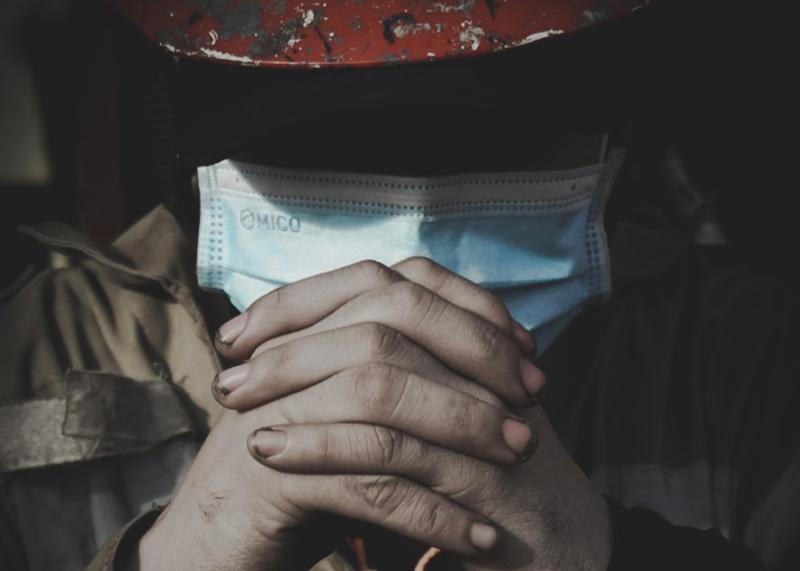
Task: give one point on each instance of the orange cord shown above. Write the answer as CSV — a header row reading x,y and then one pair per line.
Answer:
x,y
356,544
359,549
423,563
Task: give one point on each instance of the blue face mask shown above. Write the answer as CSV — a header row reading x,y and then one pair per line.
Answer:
x,y
533,238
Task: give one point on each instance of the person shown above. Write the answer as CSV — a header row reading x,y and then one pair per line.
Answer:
x,y
396,260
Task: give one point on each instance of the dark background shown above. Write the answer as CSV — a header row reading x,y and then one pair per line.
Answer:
x,y
712,81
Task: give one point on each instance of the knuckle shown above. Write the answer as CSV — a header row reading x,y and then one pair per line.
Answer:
x,y
431,517
412,296
385,494
380,341
497,311
479,493
371,379
420,265
325,447
491,342
279,358
487,396
465,416
379,388
265,306
390,445
275,298
373,272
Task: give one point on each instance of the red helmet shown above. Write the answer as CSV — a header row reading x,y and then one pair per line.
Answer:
x,y
347,33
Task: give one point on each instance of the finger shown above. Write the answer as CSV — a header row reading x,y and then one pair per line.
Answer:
x,y
302,303
298,305
289,367
465,343
350,448
387,396
398,505
466,294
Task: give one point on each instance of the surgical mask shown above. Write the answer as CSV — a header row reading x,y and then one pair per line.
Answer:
x,y
535,239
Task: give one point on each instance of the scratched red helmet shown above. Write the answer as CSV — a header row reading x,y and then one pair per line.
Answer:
x,y
359,33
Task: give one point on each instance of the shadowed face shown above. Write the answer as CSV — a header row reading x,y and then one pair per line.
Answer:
x,y
424,141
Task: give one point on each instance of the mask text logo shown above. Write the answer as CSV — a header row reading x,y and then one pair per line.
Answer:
x,y
268,222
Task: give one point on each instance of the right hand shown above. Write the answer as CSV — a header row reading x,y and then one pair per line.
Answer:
x,y
233,513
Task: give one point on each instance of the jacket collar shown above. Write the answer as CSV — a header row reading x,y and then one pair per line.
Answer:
x,y
155,248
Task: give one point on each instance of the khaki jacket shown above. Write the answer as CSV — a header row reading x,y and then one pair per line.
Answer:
x,y
107,360
106,365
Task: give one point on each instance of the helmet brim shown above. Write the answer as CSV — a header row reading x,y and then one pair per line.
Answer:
x,y
359,33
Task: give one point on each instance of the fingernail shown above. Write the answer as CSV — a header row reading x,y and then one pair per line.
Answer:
x,y
482,536
519,438
230,331
230,379
524,339
533,378
267,442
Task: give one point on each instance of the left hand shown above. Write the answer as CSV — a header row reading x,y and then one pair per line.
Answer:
x,y
549,514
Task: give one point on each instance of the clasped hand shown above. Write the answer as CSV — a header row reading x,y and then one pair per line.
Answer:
x,y
403,397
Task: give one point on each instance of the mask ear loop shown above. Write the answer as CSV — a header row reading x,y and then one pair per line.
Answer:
x,y
603,151
195,186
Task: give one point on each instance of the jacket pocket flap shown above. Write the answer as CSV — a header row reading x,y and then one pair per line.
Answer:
x,y
100,405
100,415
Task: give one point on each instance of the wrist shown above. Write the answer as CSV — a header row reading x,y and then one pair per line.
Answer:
x,y
191,540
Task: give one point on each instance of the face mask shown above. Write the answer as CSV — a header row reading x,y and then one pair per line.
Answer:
x,y
535,239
